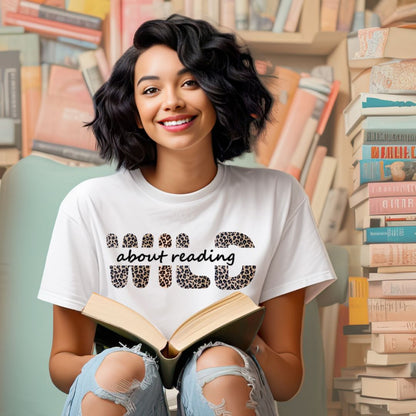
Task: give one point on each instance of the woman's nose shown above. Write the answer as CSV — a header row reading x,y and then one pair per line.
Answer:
x,y
173,100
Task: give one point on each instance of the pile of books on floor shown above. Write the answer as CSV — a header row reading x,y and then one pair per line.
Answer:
x,y
380,122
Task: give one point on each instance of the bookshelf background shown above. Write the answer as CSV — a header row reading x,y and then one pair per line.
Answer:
x,y
302,50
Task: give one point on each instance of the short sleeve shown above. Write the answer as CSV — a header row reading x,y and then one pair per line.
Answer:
x,y
70,270
300,259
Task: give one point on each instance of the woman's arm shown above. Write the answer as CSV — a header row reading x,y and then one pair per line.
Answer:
x,y
72,345
280,344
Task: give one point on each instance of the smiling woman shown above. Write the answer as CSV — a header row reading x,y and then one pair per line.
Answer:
x,y
184,98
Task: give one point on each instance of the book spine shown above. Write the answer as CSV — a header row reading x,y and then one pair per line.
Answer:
x,y
403,388
377,189
70,152
381,170
388,137
242,14
391,309
51,28
293,16
345,15
329,15
392,289
59,15
393,327
393,343
357,300
388,152
281,16
90,71
385,254
399,234
227,14
392,205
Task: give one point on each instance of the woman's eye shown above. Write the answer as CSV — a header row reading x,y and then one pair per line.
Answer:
x,y
150,90
190,83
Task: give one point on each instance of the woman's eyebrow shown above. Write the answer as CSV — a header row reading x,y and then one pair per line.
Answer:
x,y
155,77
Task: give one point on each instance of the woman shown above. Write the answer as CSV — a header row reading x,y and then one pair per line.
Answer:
x,y
179,102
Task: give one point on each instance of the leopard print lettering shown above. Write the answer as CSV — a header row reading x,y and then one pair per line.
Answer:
x,y
140,275
112,241
227,239
147,241
130,241
182,240
165,276
119,276
187,280
165,240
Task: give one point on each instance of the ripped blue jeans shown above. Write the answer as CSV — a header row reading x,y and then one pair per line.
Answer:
x,y
147,398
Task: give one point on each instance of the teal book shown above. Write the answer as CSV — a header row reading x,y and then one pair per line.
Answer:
x,y
383,170
406,234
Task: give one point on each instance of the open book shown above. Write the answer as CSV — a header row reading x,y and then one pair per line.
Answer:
x,y
234,320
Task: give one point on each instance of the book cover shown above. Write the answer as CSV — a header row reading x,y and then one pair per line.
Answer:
x,y
372,221
357,300
371,151
402,13
391,309
53,51
399,234
382,189
329,15
383,170
374,45
385,254
235,320
58,14
393,77
393,327
396,288
366,104
389,388
323,185
301,109
282,84
64,109
393,343
48,27
88,64
10,85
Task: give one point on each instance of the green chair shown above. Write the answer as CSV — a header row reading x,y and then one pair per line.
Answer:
x,y
30,194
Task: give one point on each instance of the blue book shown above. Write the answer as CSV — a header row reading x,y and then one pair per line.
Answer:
x,y
383,170
281,16
387,151
405,234
368,104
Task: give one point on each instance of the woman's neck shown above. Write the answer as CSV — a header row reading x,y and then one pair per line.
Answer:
x,y
181,175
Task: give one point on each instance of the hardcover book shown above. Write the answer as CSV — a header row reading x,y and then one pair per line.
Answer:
x,y
393,343
375,358
234,319
391,309
389,388
385,254
372,221
383,170
382,189
366,104
393,327
400,370
399,234
401,289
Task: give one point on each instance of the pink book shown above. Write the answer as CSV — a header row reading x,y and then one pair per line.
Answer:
x,y
392,288
393,327
393,343
300,111
385,254
65,107
381,189
293,17
48,27
314,169
391,309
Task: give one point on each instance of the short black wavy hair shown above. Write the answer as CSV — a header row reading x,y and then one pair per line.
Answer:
x,y
223,68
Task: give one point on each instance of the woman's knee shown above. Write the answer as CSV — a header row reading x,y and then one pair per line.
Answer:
x,y
219,356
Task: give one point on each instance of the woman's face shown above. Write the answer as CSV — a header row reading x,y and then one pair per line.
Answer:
x,y
174,110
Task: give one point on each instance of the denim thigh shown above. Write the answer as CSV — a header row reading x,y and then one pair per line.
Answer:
x,y
145,398
191,401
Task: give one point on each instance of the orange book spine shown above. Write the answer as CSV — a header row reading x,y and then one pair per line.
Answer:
x,y
391,309
329,15
357,300
393,343
31,98
301,109
282,84
50,28
313,173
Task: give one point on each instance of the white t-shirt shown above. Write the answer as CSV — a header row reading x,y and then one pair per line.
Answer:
x,y
169,255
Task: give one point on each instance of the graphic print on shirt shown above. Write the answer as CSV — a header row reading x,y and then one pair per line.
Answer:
x,y
185,278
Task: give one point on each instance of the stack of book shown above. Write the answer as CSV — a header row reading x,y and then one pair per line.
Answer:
x,y
292,139
53,68
380,123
